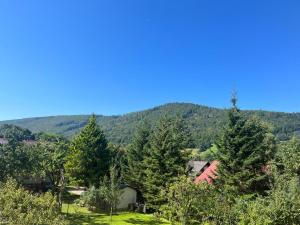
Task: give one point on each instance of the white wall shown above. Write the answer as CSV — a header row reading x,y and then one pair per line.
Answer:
x,y
128,196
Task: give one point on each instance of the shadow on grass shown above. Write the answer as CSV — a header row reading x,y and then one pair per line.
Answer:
x,y
81,218
69,198
143,222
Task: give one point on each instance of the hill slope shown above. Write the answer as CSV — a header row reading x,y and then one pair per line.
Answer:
x,y
204,122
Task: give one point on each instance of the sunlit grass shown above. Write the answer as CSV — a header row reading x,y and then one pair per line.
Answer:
x,y
79,215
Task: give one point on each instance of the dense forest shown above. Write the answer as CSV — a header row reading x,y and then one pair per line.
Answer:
x,y
204,123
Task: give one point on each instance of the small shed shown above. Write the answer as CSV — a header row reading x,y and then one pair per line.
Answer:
x,y
128,197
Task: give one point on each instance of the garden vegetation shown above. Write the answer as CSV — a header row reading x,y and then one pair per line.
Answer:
x,y
256,181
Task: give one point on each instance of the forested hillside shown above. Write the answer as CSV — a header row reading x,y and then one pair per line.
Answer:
x,y
205,123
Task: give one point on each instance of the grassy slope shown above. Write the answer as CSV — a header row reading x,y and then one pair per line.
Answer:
x,y
78,215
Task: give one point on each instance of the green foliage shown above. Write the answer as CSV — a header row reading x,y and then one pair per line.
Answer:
x,y
288,157
110,190
15,133
19,207
189,203
41,161
253,212
246,155
90,199
209,154
282,204
280,207
183,198
244,150
66,125
50,159
15,160
204,123
81,216
89,158
22,159
164,161
47,137
155,162
134,171
108,193
118,158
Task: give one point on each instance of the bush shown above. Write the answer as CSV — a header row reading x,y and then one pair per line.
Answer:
x,y
19,207
196,204
280,207
90,199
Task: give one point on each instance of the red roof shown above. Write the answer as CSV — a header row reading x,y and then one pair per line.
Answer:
x,y
209,174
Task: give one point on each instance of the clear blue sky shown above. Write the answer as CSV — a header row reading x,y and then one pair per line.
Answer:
x,y
113,57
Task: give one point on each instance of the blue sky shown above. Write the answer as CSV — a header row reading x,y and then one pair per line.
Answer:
x,y
117,56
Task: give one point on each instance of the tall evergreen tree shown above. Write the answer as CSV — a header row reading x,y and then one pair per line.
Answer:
x,y
134,171
164,161
118,158
89,158
244,150
182,133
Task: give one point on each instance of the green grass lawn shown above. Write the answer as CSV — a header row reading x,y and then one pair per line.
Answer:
x,y
78,215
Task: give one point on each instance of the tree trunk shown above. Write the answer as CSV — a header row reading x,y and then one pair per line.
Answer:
x,y
111,212
61,188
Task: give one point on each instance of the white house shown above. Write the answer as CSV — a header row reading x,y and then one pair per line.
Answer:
x,y
128,196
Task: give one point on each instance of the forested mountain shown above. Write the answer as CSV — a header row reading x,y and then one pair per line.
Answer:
x,y
9,131
205,123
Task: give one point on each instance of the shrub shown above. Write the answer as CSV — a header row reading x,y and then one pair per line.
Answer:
x,y
20,207
90,199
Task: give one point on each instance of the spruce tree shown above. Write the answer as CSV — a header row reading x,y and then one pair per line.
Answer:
x,y
244,150
164,161
134,171
89,157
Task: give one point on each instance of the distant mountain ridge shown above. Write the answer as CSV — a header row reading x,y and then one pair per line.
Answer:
x,y
205,123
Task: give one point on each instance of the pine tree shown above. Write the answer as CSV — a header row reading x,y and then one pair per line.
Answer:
x,y
164,162
134,171
244,150
89,159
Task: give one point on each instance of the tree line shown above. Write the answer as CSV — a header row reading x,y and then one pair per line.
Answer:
x,y
204,123
257,179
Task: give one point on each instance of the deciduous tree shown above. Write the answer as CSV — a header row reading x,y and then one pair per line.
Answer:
x,y
110,189
19,207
